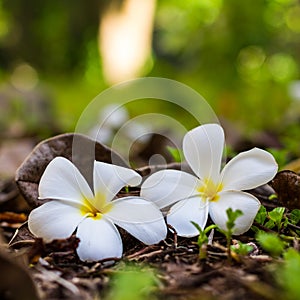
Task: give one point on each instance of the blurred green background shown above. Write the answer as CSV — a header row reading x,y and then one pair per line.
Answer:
x,y
242,56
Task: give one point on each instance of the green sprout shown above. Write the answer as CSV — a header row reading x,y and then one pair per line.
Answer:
x,y
232,215
203,238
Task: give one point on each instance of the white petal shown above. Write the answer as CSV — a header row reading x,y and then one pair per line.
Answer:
x,y
169,186
99,239
203,149
140,218
245,202
54,220
110,179
248,170
62,180
182,213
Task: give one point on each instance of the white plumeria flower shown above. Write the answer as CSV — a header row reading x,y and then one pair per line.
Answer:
x,y
74,205
213,191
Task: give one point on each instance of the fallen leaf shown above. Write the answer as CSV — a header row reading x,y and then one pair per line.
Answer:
x,y
287,186
78,148
11,217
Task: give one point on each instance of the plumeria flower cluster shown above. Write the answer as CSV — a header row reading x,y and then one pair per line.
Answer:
x,y
93,212
212,191
74,205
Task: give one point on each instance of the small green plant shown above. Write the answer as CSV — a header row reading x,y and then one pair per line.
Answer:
x,y
232,215
203,238
276,217
271,243
295,216
272,219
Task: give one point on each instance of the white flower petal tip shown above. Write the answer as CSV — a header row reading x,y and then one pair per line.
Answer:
x,y
249,170
125,175
203,150
54,220
110,179
62,180
99,239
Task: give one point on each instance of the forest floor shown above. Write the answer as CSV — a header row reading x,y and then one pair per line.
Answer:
x,y
31,269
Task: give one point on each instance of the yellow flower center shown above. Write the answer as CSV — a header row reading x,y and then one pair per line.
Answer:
x,y
210,190
88,209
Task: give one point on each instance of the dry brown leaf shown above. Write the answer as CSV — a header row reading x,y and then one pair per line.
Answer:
x,y
12,217
81,150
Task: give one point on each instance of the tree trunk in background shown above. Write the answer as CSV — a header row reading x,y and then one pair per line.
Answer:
x,y
125,39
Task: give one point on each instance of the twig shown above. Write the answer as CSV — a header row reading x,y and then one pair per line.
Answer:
x,y
153,253
21,243
173,230
16,233
142,251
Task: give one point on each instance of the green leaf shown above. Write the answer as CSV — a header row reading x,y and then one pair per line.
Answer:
x,y
295,216
261,215
276,214
232,216
197,226
177,154
271,243
272,197
241,249
209,228
270,224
